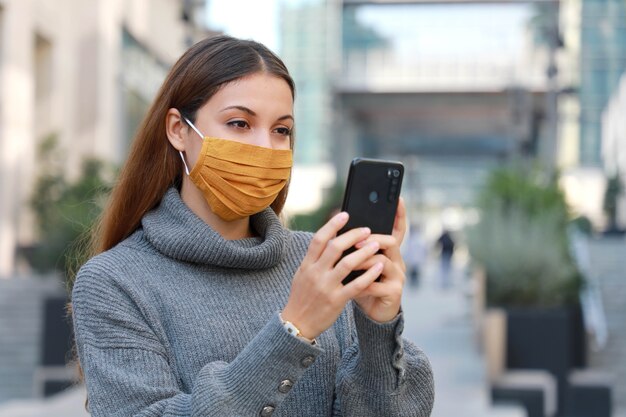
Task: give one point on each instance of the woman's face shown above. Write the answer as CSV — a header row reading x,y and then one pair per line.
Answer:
x,y
256,109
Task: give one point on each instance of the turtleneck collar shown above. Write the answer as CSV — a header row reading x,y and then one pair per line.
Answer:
x,y
178,233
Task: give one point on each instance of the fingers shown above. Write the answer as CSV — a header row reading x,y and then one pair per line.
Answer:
x,y
385,241
381,300
392,271
399,225
323,235
360,283
350,262
388,244
382,290
336,246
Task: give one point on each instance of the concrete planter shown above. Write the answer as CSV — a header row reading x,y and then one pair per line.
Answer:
x,y
550,339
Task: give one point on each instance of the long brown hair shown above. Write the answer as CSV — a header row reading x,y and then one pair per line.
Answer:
x,y
153,165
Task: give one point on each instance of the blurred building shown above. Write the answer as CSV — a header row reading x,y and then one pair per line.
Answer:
x,y
602,63
308,49
450,94
453,97
614,143
84,72
595,45
613,358
309,31
450,98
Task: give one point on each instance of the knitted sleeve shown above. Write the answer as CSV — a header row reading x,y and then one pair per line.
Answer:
x,y
381,374
129,372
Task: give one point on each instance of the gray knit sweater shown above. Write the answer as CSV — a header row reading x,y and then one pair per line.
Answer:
x,y
177,321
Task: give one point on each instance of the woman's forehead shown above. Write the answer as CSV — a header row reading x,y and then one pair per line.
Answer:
x,y
259,92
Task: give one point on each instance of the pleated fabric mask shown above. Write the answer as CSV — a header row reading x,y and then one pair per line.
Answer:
x,y
238,179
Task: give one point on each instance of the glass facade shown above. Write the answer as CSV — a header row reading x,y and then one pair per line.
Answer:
x,y
306,47
603,60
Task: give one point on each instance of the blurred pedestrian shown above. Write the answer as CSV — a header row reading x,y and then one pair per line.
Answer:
x,y
415,252
199,302
446,246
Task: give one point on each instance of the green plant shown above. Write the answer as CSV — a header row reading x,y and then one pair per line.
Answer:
x,y
64,210
521,241
531,191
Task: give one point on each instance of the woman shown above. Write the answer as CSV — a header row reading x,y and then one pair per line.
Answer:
x,y
200,303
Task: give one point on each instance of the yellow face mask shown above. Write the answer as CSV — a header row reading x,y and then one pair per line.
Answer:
x,y
238,179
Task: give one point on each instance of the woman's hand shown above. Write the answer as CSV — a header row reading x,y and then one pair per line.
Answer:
x,y
317,295
381,300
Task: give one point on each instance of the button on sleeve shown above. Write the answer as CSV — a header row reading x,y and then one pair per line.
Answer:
x,y
307,361
285,386
267,411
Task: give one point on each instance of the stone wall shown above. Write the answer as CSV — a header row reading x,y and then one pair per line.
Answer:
x,y
21,322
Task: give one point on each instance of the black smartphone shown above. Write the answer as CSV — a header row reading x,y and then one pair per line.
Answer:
x,y
371,198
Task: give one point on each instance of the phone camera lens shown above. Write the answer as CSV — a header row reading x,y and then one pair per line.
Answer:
x,y
389,173
396,173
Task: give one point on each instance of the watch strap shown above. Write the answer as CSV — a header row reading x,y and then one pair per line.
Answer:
x,y
294,331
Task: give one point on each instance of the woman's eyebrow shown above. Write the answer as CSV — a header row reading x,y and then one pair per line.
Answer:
x,y
287,116
252,113
242,108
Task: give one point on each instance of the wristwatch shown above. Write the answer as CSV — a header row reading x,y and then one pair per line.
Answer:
x,y
294,331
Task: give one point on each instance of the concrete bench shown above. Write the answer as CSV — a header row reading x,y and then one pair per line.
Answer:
x,y
535,390
588,394
506,409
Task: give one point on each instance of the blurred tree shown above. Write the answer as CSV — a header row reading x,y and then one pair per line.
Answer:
x,y
64,211
530,190
521,241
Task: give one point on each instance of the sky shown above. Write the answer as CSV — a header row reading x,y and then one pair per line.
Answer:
x,y
458,30
254,19
498,27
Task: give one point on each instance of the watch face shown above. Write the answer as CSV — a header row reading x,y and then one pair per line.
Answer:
x,y
292,329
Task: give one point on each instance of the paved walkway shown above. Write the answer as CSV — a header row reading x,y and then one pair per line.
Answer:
x,y
438,320
70,403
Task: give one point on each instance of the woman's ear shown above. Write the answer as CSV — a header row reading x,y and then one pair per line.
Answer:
x,y
176,129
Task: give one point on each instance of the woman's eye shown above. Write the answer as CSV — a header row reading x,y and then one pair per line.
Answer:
x,y
241,124
283,131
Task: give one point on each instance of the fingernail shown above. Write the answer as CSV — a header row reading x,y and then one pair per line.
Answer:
x,y
365,230
342,216
374,245
378,267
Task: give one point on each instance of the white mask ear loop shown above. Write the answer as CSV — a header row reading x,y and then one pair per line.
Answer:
x,y
180,152
194,128
184,163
